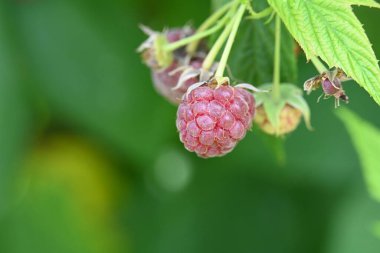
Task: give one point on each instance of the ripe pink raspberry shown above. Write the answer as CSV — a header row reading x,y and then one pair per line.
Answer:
x,y
211,121
166,80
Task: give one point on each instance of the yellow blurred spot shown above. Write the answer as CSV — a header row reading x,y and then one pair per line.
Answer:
x,y
69,166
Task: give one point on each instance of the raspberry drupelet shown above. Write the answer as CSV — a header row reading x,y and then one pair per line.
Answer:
x,y
212,120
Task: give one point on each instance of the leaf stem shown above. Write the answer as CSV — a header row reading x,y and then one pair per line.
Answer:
x,y
318,65
231,39
276,92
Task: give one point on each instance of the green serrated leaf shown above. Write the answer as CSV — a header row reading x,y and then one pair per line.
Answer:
x,y
330,30
368,3
366,139
251,59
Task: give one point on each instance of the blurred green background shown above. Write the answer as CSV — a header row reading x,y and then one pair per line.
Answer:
x,y
90,159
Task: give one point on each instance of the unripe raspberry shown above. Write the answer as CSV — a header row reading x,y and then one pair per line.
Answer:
x,y
176,34
148,48
289,119
211,121
166,80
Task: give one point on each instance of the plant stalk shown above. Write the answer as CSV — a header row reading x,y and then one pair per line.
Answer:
x,y
231,39
210,58
276,92
196,37
191,48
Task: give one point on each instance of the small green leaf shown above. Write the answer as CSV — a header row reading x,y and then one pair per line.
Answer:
x,y
366,139
330,30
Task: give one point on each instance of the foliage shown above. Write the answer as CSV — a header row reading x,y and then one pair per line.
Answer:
x,y
366,139
330,30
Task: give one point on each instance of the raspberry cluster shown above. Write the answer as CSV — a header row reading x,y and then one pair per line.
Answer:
x,y
212,116
212,120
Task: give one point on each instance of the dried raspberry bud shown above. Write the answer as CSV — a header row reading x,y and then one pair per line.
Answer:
x,y
330,88
212,120
334,89
289,119
331,82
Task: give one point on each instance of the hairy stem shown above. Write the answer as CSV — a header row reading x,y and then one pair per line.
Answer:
x,y
231,39
277,60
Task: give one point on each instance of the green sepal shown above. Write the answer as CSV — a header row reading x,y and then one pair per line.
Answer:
x,y
290,94
163,57
298,102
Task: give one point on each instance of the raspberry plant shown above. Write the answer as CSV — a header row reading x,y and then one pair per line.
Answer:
x,y
214,113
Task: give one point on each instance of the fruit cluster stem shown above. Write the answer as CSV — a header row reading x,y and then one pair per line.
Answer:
x,y
277,60
210,58
196,37
231,39
191,48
